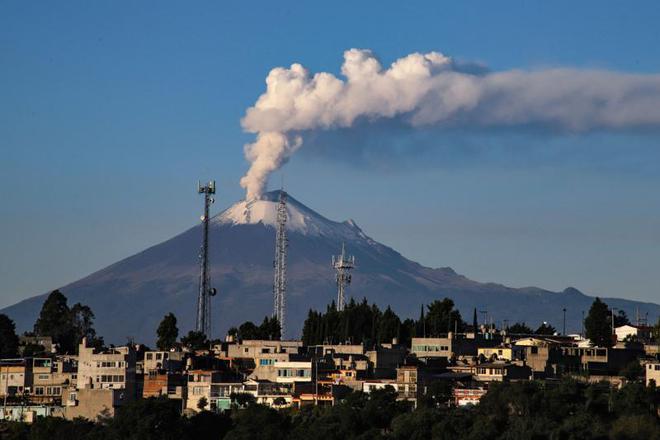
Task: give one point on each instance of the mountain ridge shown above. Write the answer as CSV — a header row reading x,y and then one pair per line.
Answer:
x,y
130,297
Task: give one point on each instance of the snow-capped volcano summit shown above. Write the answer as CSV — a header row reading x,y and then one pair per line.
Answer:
x,y
130,297
300,218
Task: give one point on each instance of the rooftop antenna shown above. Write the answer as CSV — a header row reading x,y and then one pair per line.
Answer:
x,y
203,322
343,264
279,283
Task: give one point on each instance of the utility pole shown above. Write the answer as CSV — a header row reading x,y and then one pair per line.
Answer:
x,y
203,322
279,264
4,410
316,380
564,332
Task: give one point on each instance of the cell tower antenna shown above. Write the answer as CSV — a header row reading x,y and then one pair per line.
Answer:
x,y
203,321
279,284
343,265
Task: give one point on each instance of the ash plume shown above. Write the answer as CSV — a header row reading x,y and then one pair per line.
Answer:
x,y
432,89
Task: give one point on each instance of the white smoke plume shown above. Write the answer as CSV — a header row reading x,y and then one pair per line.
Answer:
x,y
433,90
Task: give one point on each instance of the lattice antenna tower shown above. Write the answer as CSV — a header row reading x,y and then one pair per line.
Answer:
x,y
279,284
343,265
205,292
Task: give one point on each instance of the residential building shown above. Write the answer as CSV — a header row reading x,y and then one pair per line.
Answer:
x,y
652,373
468,396
51,378
408,383
94,403
216,387
449,347
501,372
164,360
39,341
639,332
113,368
163,383
254,348
502,352
378,384
15,377
266,392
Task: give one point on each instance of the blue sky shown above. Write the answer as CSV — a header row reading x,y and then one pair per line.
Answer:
x,y
110,112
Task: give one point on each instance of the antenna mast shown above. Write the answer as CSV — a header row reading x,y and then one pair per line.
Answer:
x,y
343,264
279,284
203,323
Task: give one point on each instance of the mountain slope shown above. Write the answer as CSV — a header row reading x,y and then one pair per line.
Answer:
x,y
131,296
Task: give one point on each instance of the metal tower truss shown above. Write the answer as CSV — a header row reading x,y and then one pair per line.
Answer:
x,y
279,264
343,265
205,292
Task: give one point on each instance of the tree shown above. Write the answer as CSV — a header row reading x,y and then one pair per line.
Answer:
x,y
389,326
279,401
520,328
545,329
656,331
167,332
242,399
632,371
82,321
202,403
195,340
270,329
33,350
620,318
441,317
66,326
8,337
248,330
597,324
55,321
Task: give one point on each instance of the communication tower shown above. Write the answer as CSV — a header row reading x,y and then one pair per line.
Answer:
x,y
343,264
279,284
203,322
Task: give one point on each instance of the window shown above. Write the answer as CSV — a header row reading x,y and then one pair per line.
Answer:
x,y
535,350
150,356
39,391
198,390
246,350
42,377
159,356
657,368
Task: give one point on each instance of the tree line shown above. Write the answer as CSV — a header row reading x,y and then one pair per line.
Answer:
x,y
65,325
359,322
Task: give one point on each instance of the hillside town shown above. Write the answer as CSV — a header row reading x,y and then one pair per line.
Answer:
x,y
456,368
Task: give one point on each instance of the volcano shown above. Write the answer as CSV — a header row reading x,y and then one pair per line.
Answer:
x,y
131,296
